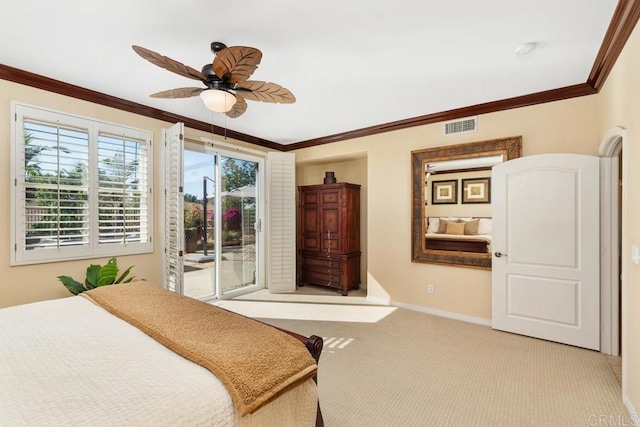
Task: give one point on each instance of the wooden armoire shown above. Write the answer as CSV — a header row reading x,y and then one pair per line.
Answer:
x,y
329,236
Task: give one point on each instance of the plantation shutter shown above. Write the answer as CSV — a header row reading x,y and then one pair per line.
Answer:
x,y
52,177
281,222
123,188
82,188
174,208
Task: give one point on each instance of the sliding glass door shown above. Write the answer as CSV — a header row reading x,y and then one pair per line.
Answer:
x,y
239,222
221,220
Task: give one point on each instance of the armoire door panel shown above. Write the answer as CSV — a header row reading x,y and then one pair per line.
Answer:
x,y
330,197
310,198
310,244
310,219
329,221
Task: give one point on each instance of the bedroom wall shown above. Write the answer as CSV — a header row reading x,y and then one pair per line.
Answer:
x,y
565,126
619,105
24,284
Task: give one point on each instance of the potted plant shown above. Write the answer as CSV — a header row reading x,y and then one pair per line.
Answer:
x,y
97,275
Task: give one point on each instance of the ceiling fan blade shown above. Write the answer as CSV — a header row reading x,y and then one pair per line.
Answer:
x,y
169,64
266,92
236,63
238,108
183,92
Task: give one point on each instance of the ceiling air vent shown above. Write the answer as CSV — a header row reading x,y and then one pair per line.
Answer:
x,y
461,126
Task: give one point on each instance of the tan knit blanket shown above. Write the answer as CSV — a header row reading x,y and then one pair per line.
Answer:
x,y
255,362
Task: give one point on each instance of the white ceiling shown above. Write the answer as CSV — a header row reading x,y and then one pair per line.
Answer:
x,y
350,64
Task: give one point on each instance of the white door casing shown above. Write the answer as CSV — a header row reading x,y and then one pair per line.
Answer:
x,y
546,225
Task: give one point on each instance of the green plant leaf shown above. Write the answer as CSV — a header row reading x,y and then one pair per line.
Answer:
x,y
98,275
123,275
93,274
74,286
108,273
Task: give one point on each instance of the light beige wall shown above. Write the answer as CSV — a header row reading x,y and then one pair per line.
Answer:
x,y
619,103
24,284
566,126
353,171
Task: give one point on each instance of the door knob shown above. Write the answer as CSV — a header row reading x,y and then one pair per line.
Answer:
x,y
499,254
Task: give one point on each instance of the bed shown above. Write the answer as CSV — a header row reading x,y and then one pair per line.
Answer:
x,y
446,242
118,355
475,239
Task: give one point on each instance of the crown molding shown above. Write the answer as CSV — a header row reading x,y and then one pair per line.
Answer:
x,y
624,20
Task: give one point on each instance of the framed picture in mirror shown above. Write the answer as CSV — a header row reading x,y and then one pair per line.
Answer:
x,y
477,190
444,192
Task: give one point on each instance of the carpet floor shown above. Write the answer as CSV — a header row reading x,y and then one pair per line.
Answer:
x,y
403,368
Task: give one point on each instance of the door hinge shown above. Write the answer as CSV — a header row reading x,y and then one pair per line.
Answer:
x,y
259,225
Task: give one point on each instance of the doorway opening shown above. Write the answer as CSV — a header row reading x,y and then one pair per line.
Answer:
x,y
612,224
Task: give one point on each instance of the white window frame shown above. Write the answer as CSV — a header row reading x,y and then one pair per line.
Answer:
x,y
21,256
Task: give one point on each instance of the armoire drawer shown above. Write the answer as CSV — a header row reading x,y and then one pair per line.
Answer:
x,y
322,277
325,263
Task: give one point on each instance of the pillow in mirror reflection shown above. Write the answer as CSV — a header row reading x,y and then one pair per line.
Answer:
x,y
434,224
485,226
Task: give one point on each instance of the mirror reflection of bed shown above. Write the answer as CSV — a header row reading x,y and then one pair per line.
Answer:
x,y
461,222
478,241
452,217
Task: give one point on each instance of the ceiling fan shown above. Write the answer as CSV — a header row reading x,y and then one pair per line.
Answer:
x,y
226,80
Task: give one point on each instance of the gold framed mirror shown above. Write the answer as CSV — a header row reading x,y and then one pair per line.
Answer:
x,y
456,177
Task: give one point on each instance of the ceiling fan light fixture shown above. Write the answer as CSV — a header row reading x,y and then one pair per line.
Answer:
x,y
218,100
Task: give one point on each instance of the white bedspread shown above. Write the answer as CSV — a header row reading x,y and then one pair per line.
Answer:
x,y
69,362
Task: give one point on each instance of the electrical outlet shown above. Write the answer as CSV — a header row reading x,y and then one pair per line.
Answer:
x,y
431,289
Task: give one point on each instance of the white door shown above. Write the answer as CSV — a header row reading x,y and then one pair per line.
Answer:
x,y
546,248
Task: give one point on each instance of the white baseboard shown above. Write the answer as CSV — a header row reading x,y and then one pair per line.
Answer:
x,y
421,309
380,301
635,418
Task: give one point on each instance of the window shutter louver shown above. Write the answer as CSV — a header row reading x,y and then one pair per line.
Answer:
x,y
54,170
123,194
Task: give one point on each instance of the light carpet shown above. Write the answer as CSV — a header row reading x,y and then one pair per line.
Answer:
x,y
407,368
